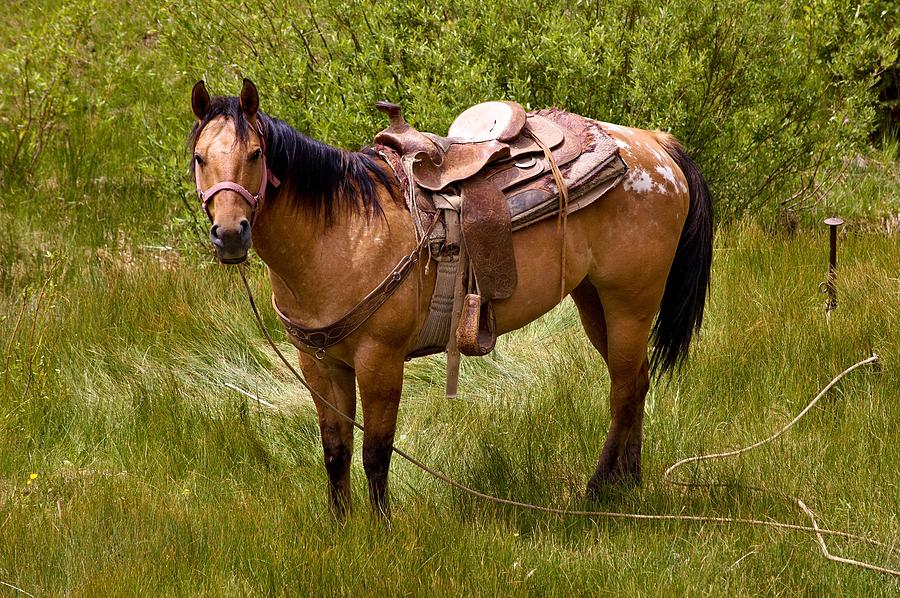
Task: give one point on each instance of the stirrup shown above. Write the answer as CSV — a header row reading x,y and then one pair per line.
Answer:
x,y
476,333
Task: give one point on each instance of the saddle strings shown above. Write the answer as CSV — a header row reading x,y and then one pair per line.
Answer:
x,y
562,219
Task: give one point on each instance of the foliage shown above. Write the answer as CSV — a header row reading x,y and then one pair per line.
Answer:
x,y
100,138
770,102
764,98
864,48
39,70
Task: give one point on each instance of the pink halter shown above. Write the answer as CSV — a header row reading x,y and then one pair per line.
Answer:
x,y
253,200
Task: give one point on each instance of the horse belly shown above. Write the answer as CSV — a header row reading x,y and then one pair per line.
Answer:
x,y
538,250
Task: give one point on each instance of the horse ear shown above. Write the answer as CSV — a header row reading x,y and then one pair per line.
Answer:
x,y
249,98
200,100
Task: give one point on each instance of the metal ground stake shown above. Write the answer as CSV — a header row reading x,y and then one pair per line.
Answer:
x,y
828,287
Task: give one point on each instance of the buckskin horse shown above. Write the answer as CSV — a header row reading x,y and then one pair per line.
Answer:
x,y
330,224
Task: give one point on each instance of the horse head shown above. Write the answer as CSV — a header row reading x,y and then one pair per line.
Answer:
x,y
229,165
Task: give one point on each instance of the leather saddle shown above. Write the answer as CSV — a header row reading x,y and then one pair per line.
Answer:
x,y
494,159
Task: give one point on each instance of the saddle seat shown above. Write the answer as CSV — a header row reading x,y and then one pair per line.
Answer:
x,y
477,137
500,121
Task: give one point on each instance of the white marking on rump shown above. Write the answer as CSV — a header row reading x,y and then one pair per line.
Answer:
x,y
638,180
666,172
650,167
658,154
668,175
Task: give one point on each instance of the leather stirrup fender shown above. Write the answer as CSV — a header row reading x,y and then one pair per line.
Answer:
x,y
485,222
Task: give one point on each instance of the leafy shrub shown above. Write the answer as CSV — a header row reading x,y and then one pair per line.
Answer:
x,y
89,130
38,70
769,98
863,47
764,97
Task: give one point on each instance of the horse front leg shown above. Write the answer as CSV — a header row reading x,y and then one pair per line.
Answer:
x,y
380,375
336,383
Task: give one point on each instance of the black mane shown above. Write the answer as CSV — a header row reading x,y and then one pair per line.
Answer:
x,y
327,180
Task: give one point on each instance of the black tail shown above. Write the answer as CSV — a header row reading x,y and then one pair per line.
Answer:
x,y
681,311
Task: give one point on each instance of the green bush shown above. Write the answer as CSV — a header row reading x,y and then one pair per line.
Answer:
x,y
770,99
764,97
90,131
38,70
864,48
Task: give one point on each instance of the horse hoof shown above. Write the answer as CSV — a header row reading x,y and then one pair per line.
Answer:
x,y
602,487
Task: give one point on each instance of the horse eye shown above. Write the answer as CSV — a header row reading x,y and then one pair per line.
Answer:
x,y
256,154
198,159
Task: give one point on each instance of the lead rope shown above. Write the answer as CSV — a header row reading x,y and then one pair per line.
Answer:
x,y
814,528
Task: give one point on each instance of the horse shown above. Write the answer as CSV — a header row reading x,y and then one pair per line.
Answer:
x,y
330,224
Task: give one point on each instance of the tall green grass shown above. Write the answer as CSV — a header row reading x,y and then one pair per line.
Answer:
x,y
154,478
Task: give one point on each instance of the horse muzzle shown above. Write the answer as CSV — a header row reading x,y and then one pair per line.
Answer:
x,y
231,242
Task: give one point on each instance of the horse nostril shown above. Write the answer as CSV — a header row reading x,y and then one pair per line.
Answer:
x,y
245,232
215,235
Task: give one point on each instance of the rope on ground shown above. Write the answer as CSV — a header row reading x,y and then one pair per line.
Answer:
x,y
819,532
871,360
16,588
809,512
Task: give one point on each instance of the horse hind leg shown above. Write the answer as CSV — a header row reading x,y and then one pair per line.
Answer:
x,y
621,338
593,320
620,459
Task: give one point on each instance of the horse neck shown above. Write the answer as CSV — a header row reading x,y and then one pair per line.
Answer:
x,y
319,272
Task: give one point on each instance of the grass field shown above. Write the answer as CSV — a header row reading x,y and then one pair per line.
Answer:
x,y
151,477
127,467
